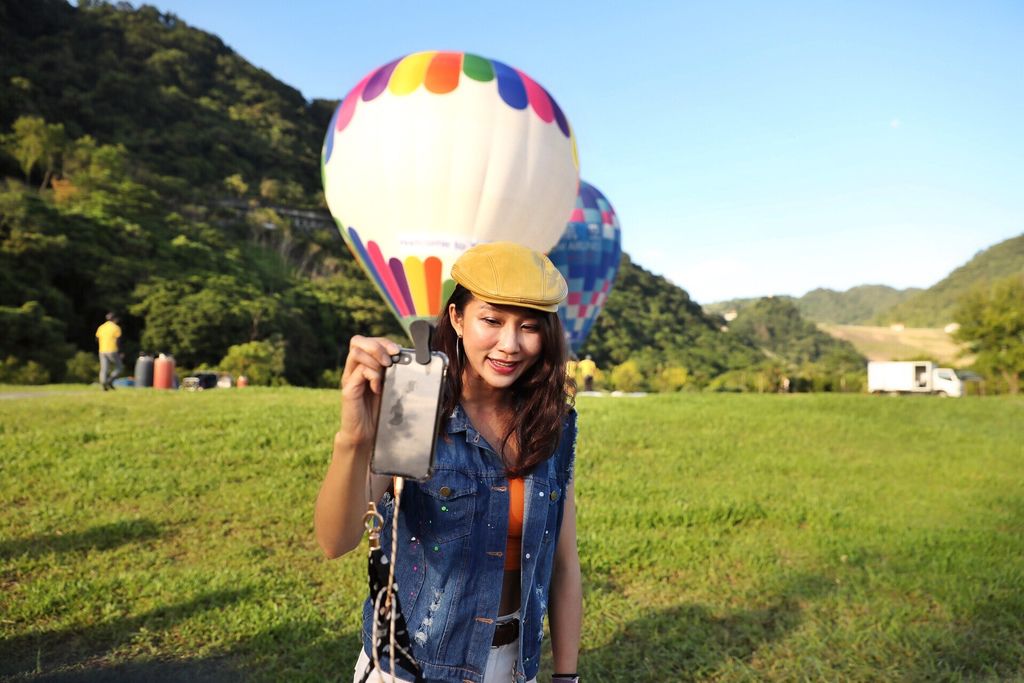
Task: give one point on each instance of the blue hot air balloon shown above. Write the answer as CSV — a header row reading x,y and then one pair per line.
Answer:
x,y
588,256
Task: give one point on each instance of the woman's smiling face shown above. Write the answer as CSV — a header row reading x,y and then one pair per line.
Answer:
x,y
500,342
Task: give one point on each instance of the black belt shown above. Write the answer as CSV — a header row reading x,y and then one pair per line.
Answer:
x,y
505,633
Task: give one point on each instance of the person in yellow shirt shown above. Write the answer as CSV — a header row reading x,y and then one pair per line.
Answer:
x,y
108,335
570,373
588,368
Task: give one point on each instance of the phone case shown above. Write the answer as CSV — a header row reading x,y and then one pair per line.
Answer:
x,y
410,410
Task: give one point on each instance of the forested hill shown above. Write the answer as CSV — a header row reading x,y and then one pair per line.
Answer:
x,y
934,306
181,102
855,306
776,326
123,131
652,321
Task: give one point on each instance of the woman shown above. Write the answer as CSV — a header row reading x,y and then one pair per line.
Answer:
x,y
487,546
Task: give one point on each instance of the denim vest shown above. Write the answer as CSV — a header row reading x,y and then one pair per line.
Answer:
x,y
452,532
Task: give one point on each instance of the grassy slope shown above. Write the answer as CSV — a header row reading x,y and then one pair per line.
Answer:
x,y
723,537
884,343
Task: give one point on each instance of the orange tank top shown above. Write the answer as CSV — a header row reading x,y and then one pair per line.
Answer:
x,y
516,503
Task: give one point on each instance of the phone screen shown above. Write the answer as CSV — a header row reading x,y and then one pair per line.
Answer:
x,y
409,412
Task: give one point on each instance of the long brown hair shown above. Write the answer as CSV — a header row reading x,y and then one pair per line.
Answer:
x,y
541,397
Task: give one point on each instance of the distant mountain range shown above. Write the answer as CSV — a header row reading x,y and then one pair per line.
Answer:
x,y
883,305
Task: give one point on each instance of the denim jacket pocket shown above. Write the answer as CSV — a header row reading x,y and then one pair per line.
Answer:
x,y
447,503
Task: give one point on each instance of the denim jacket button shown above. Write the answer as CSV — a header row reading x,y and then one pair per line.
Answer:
x,y
445,491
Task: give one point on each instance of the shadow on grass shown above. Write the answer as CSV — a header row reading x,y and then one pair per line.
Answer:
x,y
690,642
289,652
157,671
987,641
102,537
298,651
50,650
987,645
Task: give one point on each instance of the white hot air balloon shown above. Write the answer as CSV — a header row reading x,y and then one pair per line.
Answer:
x,y
436,152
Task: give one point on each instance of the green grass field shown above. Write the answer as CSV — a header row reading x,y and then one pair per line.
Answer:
x,y
163,536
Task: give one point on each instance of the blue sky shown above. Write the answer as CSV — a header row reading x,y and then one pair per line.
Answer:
x,y
749,148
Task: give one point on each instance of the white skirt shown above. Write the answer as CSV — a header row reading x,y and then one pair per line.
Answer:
x,y
500,663
499,666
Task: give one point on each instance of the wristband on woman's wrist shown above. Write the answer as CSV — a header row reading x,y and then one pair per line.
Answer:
x,y
565,678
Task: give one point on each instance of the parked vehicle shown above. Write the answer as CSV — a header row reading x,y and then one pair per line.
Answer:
x,y
201,381
913,377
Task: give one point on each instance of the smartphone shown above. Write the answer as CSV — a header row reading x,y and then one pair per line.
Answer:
x,y
410,410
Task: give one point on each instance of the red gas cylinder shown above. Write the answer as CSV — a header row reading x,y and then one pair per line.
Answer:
x,y
242,381
163,372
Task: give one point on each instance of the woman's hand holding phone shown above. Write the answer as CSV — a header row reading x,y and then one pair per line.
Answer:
x,y
341,503
361,384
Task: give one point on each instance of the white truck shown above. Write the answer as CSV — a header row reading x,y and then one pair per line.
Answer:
x,y
913,377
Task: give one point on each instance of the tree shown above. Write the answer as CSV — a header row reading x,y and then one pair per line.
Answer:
x,y
30,335
94,166
37,142
27,143
671,378
82,367
236,184
262,362
992,324
197,318
270,189
626,376
13,371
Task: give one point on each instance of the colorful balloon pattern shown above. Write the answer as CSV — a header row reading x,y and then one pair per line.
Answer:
x,y
588,256
438,151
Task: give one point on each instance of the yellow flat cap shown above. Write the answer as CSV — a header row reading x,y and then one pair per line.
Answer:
x,y
506,273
